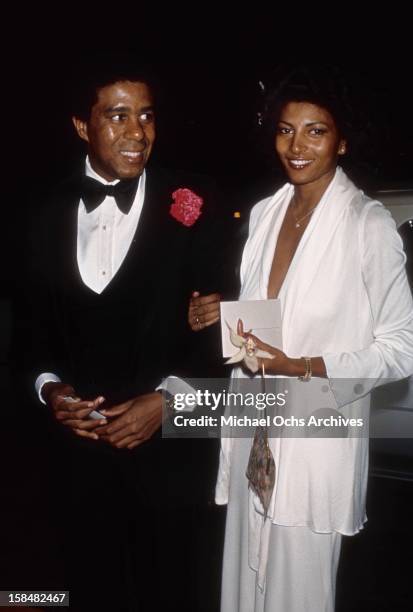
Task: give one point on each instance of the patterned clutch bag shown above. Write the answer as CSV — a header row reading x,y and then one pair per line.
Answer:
x,y
261,468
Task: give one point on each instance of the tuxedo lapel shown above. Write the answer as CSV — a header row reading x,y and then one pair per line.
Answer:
x,y
155,256
158,234
143,255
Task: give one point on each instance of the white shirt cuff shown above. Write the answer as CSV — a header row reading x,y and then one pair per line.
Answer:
x,y
177,386
41,380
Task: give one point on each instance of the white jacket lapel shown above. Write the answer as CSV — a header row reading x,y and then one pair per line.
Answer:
x,y
313,248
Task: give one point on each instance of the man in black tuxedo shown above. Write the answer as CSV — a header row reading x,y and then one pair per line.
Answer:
x,y
112,265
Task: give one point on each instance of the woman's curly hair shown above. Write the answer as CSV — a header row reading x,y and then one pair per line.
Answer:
x,y
331,87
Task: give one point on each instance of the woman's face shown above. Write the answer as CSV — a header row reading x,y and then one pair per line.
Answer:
x,y
308,143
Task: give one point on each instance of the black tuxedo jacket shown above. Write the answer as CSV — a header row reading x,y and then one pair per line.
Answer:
x,y
126,339
122,342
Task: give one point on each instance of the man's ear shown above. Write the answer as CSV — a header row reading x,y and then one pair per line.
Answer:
x,y
81,128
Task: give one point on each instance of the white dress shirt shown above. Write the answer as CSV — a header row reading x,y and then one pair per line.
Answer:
x,y
104,235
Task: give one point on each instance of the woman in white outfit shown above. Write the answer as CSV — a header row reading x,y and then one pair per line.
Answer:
x,y
333,257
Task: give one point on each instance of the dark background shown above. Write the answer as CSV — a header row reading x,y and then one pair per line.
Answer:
x,y
206,118
207,115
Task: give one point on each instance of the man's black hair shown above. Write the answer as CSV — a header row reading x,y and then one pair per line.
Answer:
x,y
93,73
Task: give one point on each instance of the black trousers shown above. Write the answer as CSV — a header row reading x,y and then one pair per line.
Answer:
x,y
131,547
87,521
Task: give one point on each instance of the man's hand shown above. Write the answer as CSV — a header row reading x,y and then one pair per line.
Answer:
x,y
137,420
74,412
203,310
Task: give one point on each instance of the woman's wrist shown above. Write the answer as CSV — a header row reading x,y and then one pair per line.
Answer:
x,y
296,367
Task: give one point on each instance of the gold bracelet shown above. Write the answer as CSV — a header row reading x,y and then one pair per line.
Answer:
x,y
308,371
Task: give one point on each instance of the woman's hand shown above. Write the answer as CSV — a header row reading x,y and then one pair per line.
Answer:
x,y
276,364
281,364
203,310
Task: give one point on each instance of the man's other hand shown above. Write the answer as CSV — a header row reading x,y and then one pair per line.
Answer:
x,y
137,420
71,410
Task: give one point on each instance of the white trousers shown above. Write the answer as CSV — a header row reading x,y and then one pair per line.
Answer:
x,y
301,574
301,566
301,571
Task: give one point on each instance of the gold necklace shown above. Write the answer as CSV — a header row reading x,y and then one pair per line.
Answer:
x,y
298,221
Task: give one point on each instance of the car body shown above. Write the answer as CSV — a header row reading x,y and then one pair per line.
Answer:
x,y
391,421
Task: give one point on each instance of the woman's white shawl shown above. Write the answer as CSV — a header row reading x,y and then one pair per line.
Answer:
x,y
345,297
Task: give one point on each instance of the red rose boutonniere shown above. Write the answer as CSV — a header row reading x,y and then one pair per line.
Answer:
x,y
186,207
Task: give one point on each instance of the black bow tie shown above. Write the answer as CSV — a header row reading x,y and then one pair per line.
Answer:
x,y
93,193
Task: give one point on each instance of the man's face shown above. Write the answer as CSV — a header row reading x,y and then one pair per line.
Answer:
x,y
120,131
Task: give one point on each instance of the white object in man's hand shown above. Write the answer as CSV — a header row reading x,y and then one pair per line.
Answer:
x,y
95,414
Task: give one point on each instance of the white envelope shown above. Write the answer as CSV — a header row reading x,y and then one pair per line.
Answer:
x,y
261,317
